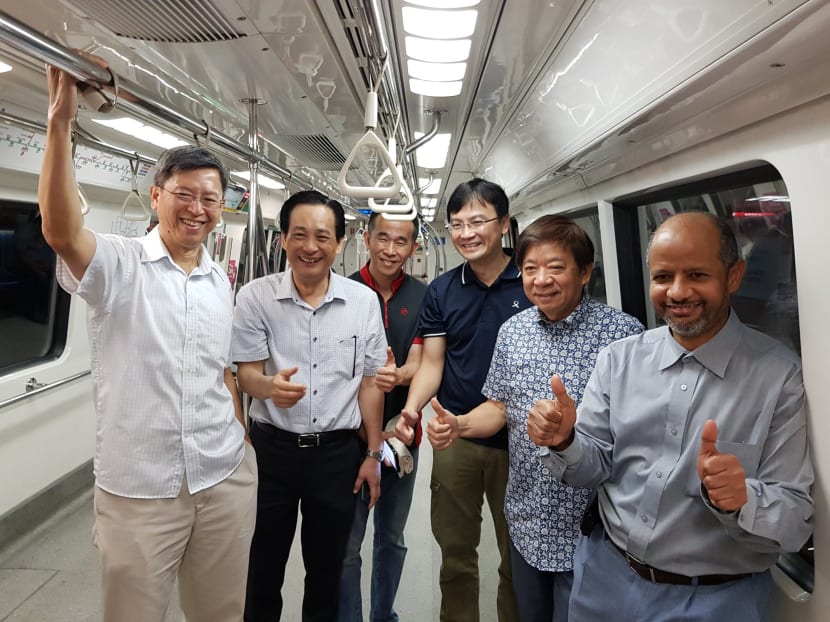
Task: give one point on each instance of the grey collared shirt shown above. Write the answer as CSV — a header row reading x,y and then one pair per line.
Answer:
x,y
333,346
638,436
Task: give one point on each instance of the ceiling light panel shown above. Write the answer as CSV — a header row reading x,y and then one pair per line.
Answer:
x,y
432,188
444,4
432,50
437,72
429,202
433,153
265,182
138,130
439,24
4,67
435,89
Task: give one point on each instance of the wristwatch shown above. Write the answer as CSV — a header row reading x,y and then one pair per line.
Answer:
x,y
377,455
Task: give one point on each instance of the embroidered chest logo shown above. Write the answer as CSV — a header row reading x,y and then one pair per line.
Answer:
x,y
515,304
404,312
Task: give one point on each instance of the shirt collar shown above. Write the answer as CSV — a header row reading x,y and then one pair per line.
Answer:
x,y
714,355
511,272
574,317
154,250
367,278
285,288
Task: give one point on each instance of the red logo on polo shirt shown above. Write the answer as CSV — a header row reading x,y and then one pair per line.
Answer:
x,y
404,312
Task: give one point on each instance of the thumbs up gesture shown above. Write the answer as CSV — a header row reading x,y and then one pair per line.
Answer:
x,y
442,429
285,393
721,474
388,376
550,423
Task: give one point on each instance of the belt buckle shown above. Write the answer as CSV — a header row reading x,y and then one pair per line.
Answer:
x,y
308,440
644,566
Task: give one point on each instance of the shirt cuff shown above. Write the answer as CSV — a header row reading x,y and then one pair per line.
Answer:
x,y
558,461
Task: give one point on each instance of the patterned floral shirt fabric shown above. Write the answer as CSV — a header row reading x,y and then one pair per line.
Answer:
x,y
543,514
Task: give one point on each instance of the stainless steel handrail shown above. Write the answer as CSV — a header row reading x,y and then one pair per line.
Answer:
x,y
131,96
43,389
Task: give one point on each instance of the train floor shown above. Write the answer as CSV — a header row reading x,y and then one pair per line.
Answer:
x,y
53,575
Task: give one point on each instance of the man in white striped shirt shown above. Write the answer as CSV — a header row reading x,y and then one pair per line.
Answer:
x,y
175,481
308,344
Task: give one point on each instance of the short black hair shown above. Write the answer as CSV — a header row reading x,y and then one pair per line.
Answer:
x,y
187,158
478,190
415,225
312,197
561,230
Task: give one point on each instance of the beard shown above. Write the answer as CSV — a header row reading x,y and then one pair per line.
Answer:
x,y
689,329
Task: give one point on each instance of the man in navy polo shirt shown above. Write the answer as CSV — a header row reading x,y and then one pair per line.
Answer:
x,y
390,244
460,320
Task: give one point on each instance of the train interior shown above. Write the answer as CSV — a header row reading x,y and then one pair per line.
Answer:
x,y
617,113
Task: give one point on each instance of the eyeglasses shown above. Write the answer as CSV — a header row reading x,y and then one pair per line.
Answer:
x,y
185,198
475,225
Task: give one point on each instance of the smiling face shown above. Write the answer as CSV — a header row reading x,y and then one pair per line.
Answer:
x,y
690,287
478,243
390,244
184,225
552,279
311,244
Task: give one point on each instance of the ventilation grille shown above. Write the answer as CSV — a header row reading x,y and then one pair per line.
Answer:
x,y
315,150
171,21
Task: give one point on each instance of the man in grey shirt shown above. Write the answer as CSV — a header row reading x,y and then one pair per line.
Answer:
x,y
695,435
308,343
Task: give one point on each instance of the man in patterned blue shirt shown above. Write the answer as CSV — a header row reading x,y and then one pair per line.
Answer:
x,y
561,335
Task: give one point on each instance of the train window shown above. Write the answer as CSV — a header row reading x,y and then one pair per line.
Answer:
x,y
589,221
33,309
757,206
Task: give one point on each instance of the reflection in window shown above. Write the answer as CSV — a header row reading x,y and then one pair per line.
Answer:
x,y
589,221
759,215
32,307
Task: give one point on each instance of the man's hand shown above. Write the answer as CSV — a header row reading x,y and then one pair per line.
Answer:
x,y
370,473
285,393
388,376
442,429
722,475
405,428
550,423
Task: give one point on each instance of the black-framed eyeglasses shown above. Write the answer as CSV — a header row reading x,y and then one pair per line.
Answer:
x,y
186,199
473,225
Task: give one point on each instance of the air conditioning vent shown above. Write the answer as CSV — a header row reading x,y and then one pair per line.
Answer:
x,y
315,151
171,21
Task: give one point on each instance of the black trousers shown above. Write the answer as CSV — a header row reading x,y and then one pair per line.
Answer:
x,y
319,480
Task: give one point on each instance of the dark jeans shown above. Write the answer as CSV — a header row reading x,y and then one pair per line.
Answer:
x,y
319,480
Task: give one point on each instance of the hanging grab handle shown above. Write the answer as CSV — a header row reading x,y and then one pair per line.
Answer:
x,y
394,208
81,195
134,198
370,139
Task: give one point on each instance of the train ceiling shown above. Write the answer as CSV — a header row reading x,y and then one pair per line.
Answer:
x,y
550,91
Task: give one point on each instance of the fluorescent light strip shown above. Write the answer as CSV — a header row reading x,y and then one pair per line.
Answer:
x,y
429,202
435,89
444,4
265,182
433,153
433,188
4,67
138,130
434,51
437,72
439,24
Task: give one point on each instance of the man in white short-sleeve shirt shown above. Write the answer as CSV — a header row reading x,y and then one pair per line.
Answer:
x,y
175,480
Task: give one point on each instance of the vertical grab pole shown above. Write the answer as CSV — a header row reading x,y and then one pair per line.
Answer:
x,y
253,192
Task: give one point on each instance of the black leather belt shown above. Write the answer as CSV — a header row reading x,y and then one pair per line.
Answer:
x,y
655,575
307,440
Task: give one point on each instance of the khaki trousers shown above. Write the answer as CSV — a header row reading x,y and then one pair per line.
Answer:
x,y
204,538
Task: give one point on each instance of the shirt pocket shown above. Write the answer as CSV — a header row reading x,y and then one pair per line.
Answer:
x,y
749,454
344,356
